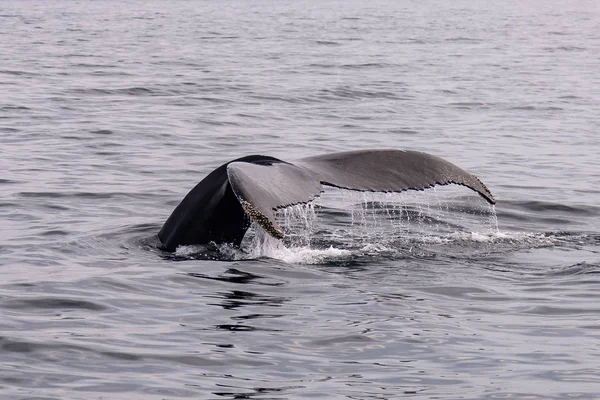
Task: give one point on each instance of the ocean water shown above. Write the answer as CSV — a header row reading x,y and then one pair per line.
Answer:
x,y
110,112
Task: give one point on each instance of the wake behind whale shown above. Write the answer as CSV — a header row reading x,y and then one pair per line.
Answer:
x,y
221,208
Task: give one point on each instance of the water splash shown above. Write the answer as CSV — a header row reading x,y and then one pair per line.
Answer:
x,y
263,245
494,219
298,223
347,227
344,222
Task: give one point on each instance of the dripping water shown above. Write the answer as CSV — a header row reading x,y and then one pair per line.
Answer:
x,y
343,219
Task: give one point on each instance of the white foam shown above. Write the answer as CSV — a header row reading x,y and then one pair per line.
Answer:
x,y
497,236
306,255
187,250
375,248
266,246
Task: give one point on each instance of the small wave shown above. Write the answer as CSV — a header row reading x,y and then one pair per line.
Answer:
x,y
366,65
535,108
564,48
582,268
54,232
90,65
14,108
461,39
216,122
556,207
218,37
351,39
80,195
558,311
113,72
404,131
523,108
130,91
286,98
323,65
540,213
17,73
214,100
137,91
328,43
355,94
43,303
468,105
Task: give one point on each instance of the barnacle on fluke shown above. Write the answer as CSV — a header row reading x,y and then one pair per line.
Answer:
x,y
489,196
261,219
221,207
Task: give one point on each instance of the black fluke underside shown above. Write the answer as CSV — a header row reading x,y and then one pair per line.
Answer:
x,y
222,206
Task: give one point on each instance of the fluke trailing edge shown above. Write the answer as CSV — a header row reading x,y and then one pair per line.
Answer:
x,y
222,206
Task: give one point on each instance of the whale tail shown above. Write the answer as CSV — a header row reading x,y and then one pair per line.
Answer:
x,y
221,207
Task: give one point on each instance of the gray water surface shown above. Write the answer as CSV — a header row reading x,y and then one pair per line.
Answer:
x,y
110,112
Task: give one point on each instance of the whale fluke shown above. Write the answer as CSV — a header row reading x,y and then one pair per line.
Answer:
x,y
262,189
222,206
